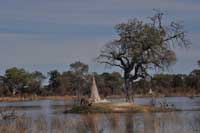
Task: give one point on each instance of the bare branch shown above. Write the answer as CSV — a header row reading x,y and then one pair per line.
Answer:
x,y
142,46
112,64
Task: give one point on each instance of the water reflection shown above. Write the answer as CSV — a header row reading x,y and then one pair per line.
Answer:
x,y
48,117
114,120
108,123
149,123
195,123
91,122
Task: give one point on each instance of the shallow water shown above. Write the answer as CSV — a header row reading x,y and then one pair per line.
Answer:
x,y
48,116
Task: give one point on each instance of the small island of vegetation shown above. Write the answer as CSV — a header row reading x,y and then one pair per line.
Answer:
x,y
118,107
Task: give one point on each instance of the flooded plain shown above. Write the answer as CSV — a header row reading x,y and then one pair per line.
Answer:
x,y
47,116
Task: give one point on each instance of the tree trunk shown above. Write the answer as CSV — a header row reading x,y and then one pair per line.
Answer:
x,y
127,90
126,87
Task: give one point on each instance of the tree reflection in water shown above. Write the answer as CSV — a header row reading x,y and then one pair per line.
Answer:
x,y
114,120
195,123
174,122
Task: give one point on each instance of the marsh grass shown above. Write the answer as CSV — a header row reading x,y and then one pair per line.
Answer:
x,y
98,123
24,124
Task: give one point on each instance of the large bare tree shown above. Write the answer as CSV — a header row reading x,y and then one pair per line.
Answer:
x,y
142,46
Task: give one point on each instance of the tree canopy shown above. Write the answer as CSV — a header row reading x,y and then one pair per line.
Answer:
x,y
20,80
79,67
142,46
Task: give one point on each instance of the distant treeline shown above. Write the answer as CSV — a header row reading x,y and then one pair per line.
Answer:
x,y
77,80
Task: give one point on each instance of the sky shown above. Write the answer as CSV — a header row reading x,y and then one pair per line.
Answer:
x,y
51,34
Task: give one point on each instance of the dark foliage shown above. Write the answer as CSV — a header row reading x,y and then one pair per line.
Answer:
x,y
69,83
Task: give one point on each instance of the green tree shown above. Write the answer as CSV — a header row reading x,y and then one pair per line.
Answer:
x,y
67,83
35,84
4,90
38,76
178,81
195,79
80,70
111,82
17,79
79,67
53,79
142,46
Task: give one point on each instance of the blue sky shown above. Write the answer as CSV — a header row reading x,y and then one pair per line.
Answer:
x,y
50,34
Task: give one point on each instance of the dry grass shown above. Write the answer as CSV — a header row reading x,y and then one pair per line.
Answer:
x,y
28,98
98,123
41,124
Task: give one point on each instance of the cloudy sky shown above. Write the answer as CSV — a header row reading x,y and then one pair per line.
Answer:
x,y
50,34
